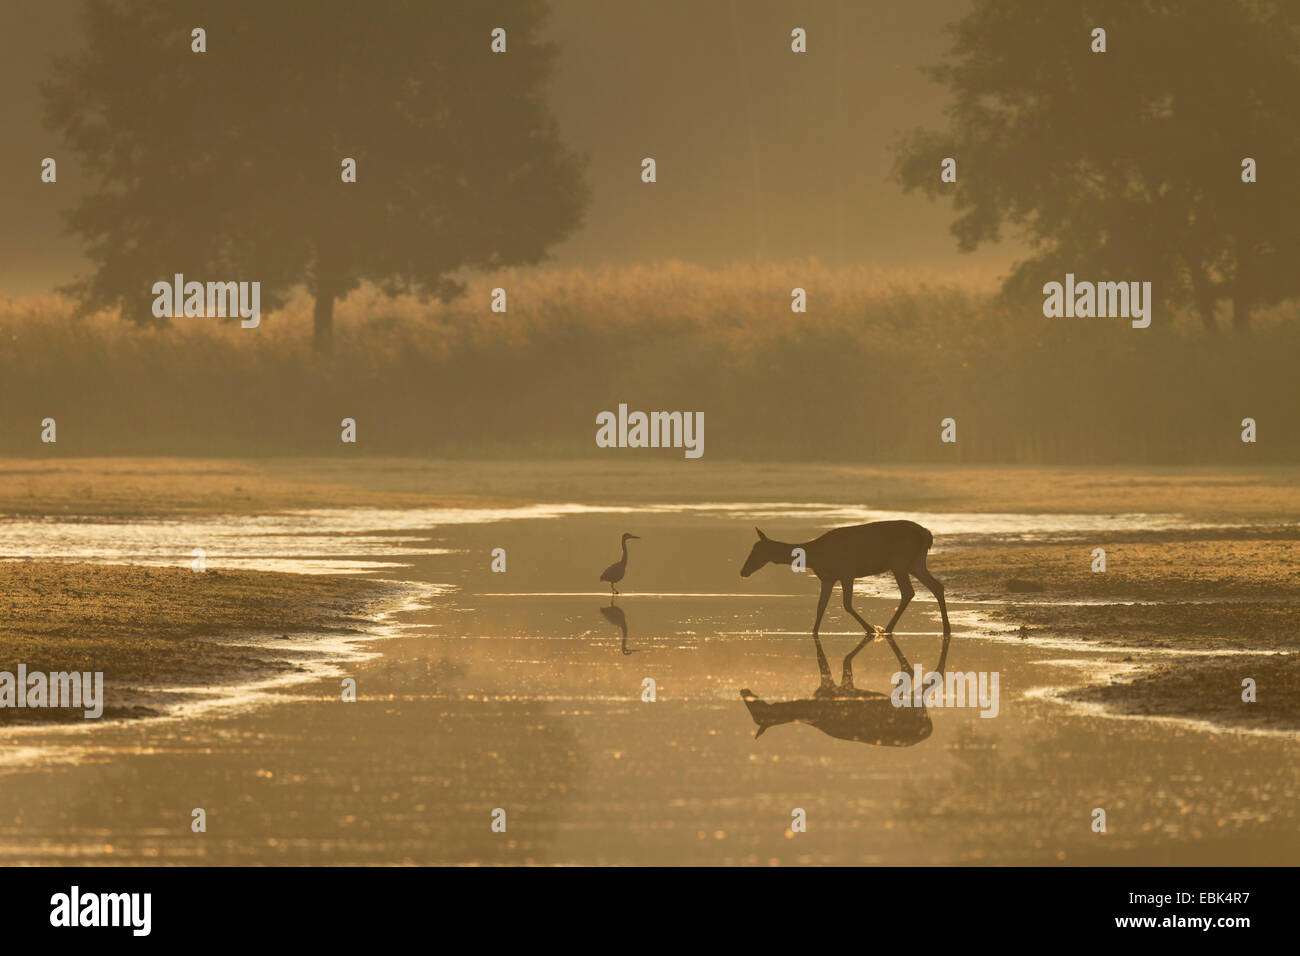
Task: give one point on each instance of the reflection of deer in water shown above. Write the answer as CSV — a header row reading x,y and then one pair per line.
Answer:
x,y
857,552
614,614
849,714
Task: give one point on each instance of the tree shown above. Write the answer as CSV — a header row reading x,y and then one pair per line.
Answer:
x,y
227,164
1126,164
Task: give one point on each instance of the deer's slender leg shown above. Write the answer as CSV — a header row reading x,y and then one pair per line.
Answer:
x,y
847,586
907,591
822,665
943,654
931,582
898,652
846,677
846,674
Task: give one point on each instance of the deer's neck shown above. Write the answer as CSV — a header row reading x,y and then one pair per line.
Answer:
x,y
787,551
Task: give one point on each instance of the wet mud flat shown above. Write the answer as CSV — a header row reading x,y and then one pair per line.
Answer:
x,y
149,630
1228,598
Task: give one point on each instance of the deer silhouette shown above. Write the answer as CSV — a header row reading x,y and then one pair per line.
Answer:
x,y
846,554
863,716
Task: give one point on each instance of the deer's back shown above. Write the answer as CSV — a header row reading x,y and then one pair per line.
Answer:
x,y
864,549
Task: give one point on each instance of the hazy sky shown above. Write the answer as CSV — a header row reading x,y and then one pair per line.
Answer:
x,y
760,152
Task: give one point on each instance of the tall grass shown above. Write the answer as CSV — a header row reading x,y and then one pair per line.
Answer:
x,y
866,375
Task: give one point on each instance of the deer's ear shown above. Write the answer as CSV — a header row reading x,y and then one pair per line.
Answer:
x,y
761,536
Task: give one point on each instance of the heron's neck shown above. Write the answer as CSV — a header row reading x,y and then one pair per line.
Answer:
x,y
625,549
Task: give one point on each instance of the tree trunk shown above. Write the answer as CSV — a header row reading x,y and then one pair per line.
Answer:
x,y
1205,301
326,273
1206,311
323,325
1240,315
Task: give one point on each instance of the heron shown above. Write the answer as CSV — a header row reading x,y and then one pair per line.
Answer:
x,y
614,573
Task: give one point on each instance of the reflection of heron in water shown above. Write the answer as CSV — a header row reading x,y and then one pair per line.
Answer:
x,y
614,614
843,712
614,573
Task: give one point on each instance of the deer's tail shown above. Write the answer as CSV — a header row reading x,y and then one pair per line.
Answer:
x,y
928,538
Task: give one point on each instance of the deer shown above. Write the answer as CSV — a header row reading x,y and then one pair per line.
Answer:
x,y
846,554
864,716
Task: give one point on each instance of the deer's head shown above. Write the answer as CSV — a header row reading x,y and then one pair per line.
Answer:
x,y
765,551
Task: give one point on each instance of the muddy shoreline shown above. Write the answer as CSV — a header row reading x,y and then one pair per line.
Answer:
x,y
1223,592
148,629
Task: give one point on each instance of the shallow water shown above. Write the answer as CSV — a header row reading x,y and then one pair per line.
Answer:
x,y
523,691
350,540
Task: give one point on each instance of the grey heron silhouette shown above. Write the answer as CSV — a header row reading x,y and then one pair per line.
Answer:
x,y
614,573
